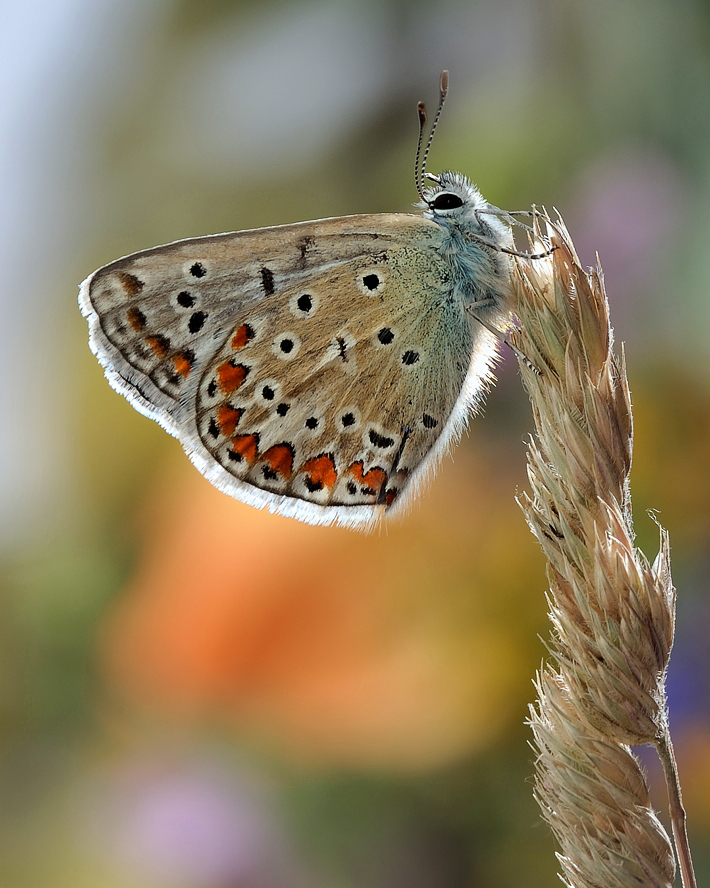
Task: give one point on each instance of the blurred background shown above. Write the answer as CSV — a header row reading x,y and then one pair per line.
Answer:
x,y
189,706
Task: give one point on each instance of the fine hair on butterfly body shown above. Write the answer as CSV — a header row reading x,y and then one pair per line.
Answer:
x,y
321,368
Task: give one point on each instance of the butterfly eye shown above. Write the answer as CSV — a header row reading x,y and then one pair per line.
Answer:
x,y
446,201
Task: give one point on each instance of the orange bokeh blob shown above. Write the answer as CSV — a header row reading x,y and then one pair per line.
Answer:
x,y
384,649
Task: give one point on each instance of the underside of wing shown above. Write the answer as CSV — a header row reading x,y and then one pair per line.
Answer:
x,y
317,369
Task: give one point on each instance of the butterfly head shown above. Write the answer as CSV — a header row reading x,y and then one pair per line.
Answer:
x,y
452,196
454,202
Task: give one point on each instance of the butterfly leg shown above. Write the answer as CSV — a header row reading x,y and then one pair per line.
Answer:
x,y
508,216
505,339
489,243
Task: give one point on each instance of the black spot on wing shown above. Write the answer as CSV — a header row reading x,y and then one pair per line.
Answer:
x,y
267,280
371,281
197,321
305,244
136,319
378,440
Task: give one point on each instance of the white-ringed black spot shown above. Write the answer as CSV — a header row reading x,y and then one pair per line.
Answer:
x,y
267,280
371,281
410,357
283,409
378,440
311,485
312,423
212,388
214,428
286,345
303,305
198,270
185,299
352,488
197,321
385,336
429,421
268,391
348,419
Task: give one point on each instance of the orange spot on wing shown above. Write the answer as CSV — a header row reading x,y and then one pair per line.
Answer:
x,y
183,365
242,336
247,446
280,459
230,376
374,479
321,470
130,283
227,419
159,344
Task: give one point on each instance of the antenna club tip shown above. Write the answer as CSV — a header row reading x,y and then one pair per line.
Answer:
x,y
444,83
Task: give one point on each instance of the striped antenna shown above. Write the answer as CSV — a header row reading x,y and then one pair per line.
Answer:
x,y
443,90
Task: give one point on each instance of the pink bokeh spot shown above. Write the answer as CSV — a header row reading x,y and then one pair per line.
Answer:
x,y
190,824
627,207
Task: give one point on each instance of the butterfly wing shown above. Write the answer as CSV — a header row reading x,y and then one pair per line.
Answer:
x,y
317,368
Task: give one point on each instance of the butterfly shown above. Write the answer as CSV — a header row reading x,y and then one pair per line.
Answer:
x,y
322,368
